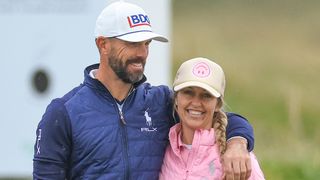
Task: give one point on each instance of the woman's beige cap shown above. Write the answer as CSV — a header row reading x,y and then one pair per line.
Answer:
x,y
203,73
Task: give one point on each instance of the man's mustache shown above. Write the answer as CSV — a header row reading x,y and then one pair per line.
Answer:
x,y
136,60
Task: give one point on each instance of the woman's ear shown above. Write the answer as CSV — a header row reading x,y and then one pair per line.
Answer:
x,y
175,101
175,107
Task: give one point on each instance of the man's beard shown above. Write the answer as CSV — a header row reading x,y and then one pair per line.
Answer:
x,y
121,69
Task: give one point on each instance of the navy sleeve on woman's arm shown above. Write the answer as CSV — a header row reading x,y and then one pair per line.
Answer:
x,y
239,126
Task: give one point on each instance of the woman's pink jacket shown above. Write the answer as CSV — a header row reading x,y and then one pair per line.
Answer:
x,y
201,162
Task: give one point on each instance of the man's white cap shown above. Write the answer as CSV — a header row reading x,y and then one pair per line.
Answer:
x,y
203,73
127,22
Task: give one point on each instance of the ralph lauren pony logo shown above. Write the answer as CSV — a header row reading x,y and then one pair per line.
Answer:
x,y
138,20
149,126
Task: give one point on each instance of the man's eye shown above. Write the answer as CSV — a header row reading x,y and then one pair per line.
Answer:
x,y
132,43
148,43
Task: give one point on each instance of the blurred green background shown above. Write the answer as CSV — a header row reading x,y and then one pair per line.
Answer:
x,y
270,52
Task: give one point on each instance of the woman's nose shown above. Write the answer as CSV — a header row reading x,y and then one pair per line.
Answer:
x,y
196,101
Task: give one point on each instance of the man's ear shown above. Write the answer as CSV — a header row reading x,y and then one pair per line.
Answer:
x,y
101,43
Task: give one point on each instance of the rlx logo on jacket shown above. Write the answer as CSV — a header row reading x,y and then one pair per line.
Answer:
x,y
38,141
149,127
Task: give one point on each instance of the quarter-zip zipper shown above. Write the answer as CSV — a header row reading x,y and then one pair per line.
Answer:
x,y
132,89
121,115
124,140
124,136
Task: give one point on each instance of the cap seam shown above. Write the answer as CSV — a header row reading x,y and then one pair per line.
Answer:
x,y
132,33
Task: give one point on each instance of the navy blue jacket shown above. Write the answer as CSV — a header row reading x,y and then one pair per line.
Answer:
x,y
85,135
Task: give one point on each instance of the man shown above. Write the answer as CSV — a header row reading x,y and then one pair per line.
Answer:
x,y
115,126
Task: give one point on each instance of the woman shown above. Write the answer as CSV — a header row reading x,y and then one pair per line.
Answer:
x,y
199,140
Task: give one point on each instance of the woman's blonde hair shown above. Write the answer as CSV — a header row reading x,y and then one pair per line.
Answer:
x,y
220,121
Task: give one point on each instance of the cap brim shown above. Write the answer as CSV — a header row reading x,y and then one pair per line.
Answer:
x,y
142,36
211,90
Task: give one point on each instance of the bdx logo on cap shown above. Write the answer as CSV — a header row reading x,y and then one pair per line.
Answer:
x,y
138,20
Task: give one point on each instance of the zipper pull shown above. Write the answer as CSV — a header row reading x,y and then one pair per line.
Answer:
x,y
121,117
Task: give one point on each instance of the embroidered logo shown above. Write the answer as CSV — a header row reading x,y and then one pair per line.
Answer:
x,y
211,168
201,70
38,141
149,127
148,118
138,20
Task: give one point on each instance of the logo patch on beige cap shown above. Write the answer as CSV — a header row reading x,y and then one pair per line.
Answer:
x,y
201,70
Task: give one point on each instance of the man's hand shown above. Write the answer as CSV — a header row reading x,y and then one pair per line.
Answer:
x,y
236,160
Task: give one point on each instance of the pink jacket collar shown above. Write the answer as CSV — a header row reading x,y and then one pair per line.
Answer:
x,y
201,137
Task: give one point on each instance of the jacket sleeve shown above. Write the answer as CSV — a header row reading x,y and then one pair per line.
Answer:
x,y
53,143
239,126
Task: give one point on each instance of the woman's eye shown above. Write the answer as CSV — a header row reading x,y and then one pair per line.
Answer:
x,y
207,96
188,92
